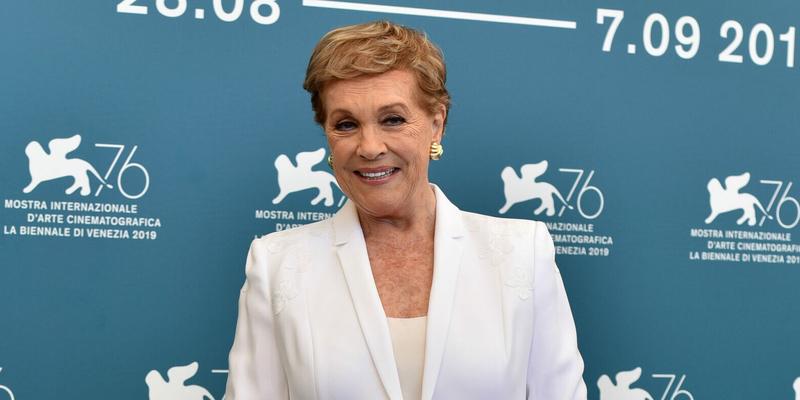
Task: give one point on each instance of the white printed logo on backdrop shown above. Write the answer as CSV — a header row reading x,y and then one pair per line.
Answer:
x,y
6,389
763,233
300,177
581,201
728,198
79,212
175,388
796,387
45,166
622,390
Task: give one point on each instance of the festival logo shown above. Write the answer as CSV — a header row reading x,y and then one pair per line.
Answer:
x,y
301,177
175,387
45,166
727,199
6,389
39,213
764,214
522,188
622,390
581,202
295,178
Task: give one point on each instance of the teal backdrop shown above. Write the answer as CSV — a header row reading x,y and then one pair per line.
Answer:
x,y
668,128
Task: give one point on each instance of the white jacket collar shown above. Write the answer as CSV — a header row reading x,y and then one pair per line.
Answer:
x,y
354,261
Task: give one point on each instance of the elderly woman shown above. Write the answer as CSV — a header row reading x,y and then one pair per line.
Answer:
x,y
400,295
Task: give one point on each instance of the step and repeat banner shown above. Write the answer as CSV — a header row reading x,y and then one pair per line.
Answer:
x,y
145,143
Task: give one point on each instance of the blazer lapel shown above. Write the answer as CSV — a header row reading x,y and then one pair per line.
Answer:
x,y
447,248
354,261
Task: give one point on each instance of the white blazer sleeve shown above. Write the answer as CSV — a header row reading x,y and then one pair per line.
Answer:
x,y
254,363
555,366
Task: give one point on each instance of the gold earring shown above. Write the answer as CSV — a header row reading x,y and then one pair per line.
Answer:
x,y
436,151
330,160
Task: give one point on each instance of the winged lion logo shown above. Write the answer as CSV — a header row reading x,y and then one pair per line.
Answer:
x,y
44,166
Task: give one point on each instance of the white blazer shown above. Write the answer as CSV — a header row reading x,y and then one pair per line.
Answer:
x,y
311,324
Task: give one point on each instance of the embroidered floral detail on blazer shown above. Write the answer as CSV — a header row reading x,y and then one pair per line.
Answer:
x,y
297,261
285,292
497,248
521,281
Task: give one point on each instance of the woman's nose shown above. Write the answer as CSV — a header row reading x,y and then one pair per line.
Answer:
x,y
370,145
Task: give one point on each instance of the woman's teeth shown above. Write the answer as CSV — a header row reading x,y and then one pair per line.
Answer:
x,y
377,175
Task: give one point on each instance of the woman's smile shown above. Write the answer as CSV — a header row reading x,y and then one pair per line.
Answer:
x,y
376,176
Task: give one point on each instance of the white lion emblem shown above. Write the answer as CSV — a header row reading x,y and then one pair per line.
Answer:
x,y
44,167
174,389
622,390
796,387
728,199
522,188
297,178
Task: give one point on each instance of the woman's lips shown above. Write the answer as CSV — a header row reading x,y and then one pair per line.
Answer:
x,y
376,175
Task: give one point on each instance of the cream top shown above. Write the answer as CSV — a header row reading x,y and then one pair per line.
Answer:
x,y
408,343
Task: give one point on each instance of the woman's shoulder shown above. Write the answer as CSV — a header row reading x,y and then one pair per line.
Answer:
x,y
305,236
276,256
475,222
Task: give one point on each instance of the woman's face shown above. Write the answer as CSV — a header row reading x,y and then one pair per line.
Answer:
x,y
380,138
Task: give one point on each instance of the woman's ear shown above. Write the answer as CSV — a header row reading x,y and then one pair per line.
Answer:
x,y
438,123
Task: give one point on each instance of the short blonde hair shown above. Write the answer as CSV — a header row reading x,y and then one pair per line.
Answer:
x,y
374,48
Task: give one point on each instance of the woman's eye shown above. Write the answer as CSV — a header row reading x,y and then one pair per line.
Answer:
x,y
394,120
345,126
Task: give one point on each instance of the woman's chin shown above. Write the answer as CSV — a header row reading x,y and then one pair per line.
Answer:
x,y
396,198
381,206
